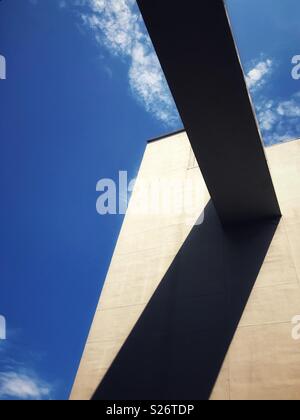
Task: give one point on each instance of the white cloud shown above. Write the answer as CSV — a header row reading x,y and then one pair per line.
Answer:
x,y
290,108
267,115
279,119
23,386
256,77
19,379
118,26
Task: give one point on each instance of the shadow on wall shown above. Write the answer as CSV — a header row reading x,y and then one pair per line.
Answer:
x,y
177,348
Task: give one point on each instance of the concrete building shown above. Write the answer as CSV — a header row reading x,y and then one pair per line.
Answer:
x,y
195,310
204,286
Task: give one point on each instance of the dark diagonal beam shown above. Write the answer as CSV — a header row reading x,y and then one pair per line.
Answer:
x,y
197,52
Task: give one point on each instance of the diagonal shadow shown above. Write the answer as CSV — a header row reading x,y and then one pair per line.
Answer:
x,y
177,348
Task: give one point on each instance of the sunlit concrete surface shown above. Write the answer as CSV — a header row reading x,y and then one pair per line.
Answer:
x,y
263,361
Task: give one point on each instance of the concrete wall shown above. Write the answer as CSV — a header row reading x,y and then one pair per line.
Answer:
x,y
263,361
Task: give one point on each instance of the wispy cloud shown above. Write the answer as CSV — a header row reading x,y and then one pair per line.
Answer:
x,y
257,76
23,385
278,117
118,26
21,372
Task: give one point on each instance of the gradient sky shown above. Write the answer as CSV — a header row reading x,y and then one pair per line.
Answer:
x,y
83,93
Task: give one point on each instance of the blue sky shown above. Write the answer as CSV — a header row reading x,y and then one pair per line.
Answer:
x,y
267,34
83,93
